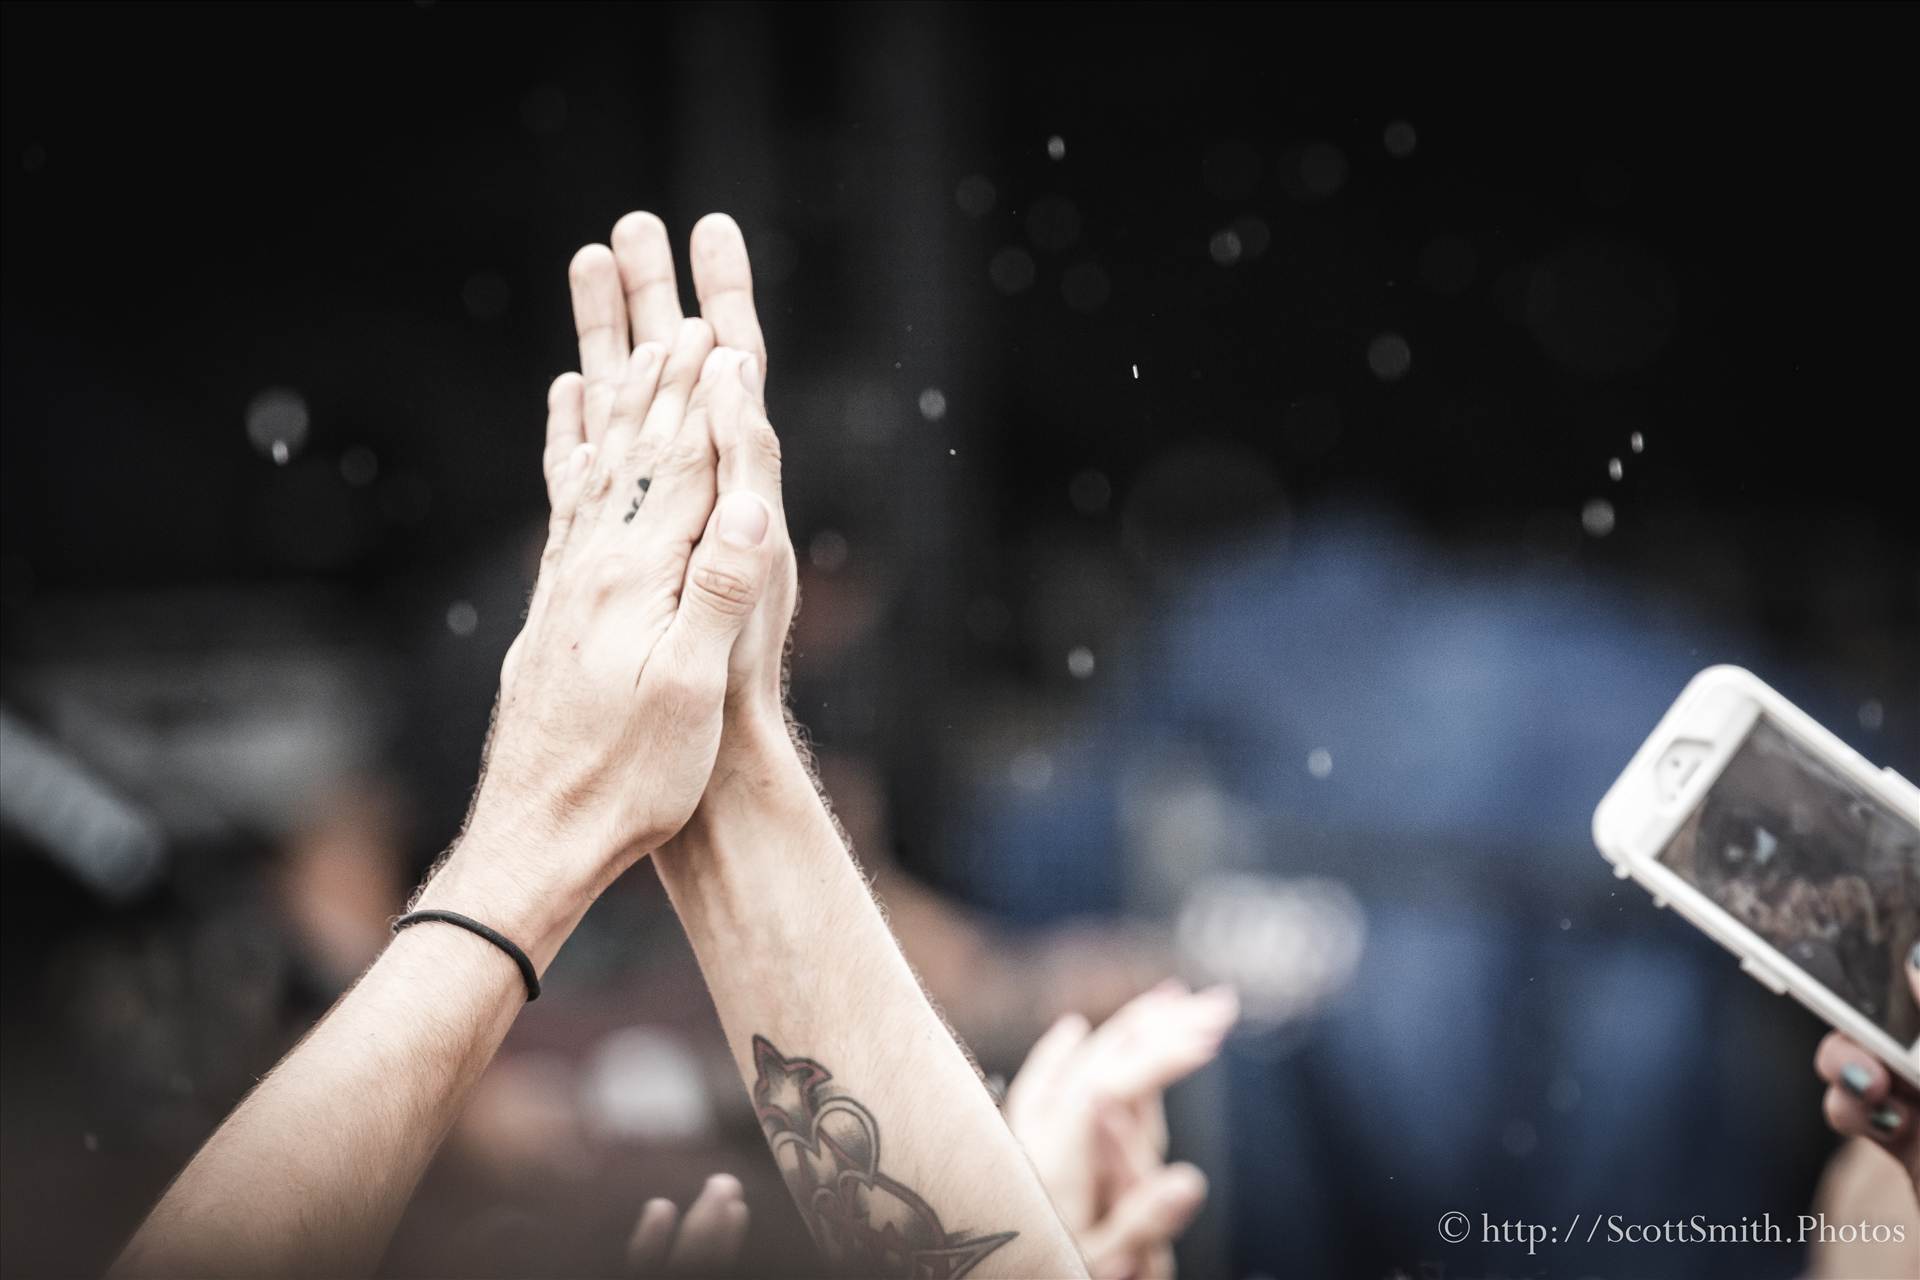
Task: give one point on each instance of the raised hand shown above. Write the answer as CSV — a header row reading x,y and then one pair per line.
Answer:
x,y
611,698
628,296
1087,1105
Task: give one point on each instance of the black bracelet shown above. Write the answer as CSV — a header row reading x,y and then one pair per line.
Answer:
x,y
494,936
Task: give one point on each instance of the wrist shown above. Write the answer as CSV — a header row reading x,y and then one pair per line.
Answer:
x,y
759,769
525,893
760,802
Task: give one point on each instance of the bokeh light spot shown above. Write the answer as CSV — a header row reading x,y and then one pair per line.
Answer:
x,y
1389,357
1597,517
1011,270
975,195
277,423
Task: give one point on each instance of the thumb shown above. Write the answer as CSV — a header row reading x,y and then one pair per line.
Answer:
x,y
1150,1215
726,575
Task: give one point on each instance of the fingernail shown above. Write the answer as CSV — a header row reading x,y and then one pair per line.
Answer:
x,y
743,520
1856,1078
579,460
1885,1119
750,374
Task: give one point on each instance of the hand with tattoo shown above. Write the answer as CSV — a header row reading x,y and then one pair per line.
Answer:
x,y
628,297
1087,1106
611,697
793,947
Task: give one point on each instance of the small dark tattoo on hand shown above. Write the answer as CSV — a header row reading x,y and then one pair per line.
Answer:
x,y
643,484
827,1146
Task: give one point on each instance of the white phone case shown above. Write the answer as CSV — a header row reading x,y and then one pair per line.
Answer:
x,y
1634,821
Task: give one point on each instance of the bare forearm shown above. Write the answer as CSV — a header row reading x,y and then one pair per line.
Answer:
x,y
311,1172
899,1159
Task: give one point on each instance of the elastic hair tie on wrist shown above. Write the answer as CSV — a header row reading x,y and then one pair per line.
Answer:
x,y
498,939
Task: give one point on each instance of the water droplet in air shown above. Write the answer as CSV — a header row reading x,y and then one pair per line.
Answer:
x,y
1056,147
933,404
277,422
1080,662
462,618
1614,469
1597,517
1320,762
1637,442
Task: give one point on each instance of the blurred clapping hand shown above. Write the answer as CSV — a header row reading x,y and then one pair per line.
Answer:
x,y
704,1241
1088,1105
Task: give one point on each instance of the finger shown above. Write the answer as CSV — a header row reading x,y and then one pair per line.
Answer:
x,y
1034,1082
1851,1069
1156,1264
744,440
632,400
645,258
1125,1152
725,579
652,1238
711,1233
600,322
723,281
568,483
564,426
1149,1216
1157,1039
677,475
666,415
1888,1121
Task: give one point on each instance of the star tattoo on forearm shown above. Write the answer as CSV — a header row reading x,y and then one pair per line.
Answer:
x,y
827,1146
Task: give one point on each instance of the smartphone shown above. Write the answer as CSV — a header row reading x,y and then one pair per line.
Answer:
x,y
1783,844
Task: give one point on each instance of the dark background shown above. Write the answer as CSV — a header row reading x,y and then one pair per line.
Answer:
x,y
1685,223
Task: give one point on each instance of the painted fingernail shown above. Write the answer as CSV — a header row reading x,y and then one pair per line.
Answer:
x,y
1885,1119
750,374
1856,1078
743,520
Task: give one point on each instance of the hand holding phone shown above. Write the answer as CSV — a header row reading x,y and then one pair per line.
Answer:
x,y
1782,843
1864,1100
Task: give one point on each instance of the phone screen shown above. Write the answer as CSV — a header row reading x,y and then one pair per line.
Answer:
x,y
1825,872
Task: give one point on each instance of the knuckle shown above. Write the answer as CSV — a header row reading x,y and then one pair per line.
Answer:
x,y
681,456
726,589
610,575
765,443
